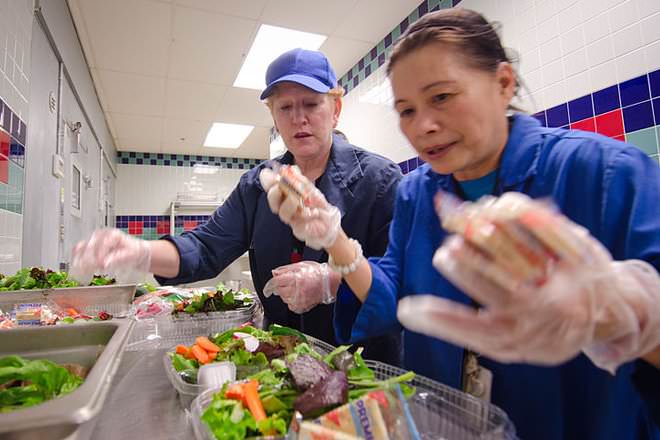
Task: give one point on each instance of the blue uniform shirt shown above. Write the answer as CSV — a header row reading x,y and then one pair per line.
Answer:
x,y
609,187
361,184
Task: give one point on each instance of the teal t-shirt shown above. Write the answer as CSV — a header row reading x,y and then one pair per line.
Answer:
x,y
474,189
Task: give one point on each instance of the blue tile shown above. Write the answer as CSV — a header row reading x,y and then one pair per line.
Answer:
x,y
654,81
422,9
420,162
153,161
541,118
638,116
656,110
404,25
131,154
166,162
138,161
124,160
388,40
6,118
634,90
580,108
361,64
381,59
412,164
367,71
15,125
557,116
146,156
404,166
159,156
606,100
234,160
179,163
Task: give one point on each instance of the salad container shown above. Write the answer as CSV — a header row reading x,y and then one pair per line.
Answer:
x,y
439,411
95,346
188,392
115,299
167,330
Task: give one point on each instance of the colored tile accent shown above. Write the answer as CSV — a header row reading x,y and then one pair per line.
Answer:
x,y
379,53
634,90
163,227
4,169
638,116
580,108
606,100
656,110
184,160
135,227
412,164
404,166
610,124
620,137
585,124
645,140
654,83
557,116
152,227
542,119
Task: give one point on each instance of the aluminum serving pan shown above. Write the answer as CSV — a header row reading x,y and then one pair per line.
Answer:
x,y
114,299
98,346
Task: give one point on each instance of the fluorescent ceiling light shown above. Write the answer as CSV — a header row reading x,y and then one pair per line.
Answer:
x,y
271,42
227,135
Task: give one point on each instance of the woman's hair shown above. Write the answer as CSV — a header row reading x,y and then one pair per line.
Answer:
x,y
336,93
473,37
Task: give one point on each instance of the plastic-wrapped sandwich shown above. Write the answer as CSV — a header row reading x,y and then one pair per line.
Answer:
x,y
513,241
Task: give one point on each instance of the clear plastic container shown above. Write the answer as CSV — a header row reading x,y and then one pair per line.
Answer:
x,y
166,331
439,411
188,392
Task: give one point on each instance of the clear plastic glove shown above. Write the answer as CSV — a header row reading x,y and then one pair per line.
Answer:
x,y
312,219
111,252
578,301
303,286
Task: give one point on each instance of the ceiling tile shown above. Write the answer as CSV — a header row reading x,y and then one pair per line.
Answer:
x,y
208,47
128,35
246,9
192,100
145,129
187,134
243,106
137,145
255,146
317,16
132,94
371,20
344,53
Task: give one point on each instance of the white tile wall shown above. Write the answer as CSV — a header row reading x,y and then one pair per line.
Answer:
x,y
15,40
148,190
569,48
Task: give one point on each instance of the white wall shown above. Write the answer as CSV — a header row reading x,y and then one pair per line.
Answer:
x,y
15,36
568,48
149,189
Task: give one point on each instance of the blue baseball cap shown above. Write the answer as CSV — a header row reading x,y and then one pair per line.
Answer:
x,y
308,68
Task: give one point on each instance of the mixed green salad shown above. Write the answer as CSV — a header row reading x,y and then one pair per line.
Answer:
x,y
39,278
222,300
279,373
25,383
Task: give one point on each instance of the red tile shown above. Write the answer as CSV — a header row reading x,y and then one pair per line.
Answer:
x,y
5,142
4,169
610,124
585,124
135,227
189,225
620,137
163,227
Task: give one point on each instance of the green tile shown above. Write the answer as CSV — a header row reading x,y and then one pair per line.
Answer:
x,y
15,175
444,4
413,17
433,3
361,76
3,195
396,33
645,140
380,48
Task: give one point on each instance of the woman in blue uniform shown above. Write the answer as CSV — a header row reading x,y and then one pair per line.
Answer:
x,y
305,102
453,84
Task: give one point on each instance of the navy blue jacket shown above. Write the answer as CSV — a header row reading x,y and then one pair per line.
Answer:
x,y
609,187
361,184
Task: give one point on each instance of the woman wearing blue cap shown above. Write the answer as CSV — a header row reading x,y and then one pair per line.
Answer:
x,y
305,103
573,354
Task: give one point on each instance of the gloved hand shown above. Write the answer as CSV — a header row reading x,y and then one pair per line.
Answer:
x,y
314,221
304,285
111,252
609,310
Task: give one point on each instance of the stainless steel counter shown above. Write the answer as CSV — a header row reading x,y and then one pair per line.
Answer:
x,y
142,403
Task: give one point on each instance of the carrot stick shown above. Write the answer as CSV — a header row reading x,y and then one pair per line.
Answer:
x,y
206,344
235,392
253,401
189,354
200,354
182,350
